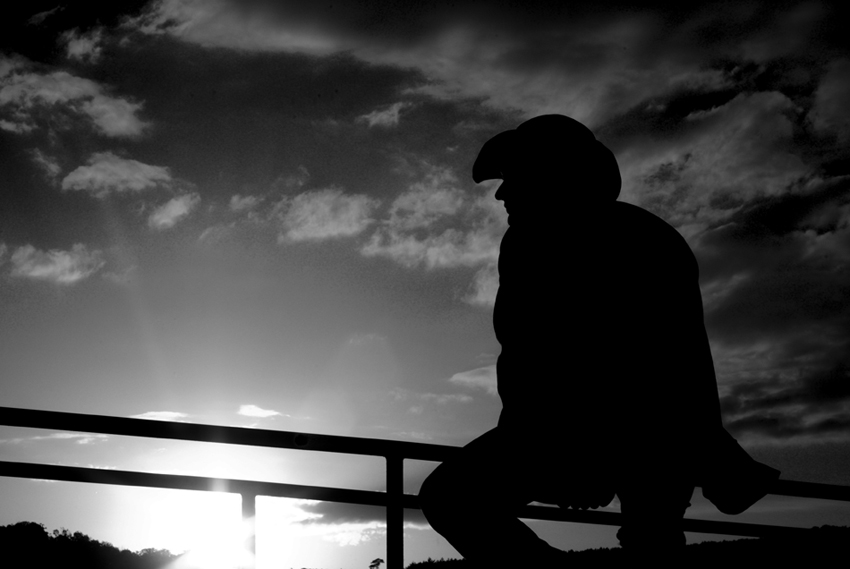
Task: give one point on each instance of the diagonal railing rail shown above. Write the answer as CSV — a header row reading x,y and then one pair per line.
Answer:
x,y
394,452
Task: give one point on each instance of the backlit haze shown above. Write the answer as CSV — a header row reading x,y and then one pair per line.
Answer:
x,y
261,214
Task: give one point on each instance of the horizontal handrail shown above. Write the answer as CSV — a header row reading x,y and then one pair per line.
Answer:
x,y
348,496
127,426
199,432
395,452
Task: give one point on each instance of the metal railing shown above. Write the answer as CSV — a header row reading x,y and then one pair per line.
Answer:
x,y
394,452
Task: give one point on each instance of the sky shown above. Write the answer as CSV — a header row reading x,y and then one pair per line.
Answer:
x,y
261,214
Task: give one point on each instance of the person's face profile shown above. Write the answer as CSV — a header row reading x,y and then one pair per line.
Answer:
x,y
516,190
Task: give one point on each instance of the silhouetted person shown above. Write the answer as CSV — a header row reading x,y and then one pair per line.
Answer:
x,y
605,374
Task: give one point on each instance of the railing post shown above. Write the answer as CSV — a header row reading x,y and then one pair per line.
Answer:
x,y
395,512
249,523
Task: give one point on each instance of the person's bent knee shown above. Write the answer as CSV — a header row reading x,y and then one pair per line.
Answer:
x,y
433,495
441,500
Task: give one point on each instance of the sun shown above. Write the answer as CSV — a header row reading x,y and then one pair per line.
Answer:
x,y
222,549
211,531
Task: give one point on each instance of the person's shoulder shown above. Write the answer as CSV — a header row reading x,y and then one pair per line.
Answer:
x,y
646,233
645,224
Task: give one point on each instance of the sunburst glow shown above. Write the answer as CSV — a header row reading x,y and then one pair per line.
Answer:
x,y
212,531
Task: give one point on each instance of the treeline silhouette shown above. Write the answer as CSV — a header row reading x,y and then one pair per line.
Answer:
x,y
35,547
819,545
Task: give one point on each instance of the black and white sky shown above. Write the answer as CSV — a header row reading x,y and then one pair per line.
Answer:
x,y
261,213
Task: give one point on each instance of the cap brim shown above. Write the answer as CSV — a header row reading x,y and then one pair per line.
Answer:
x,y
493,157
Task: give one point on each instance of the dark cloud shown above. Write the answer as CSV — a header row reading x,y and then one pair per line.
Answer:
x,y
778,425
590,60
35,29
815,403
794,255
707,23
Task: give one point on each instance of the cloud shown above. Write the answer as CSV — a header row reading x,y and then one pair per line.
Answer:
x,y
479,378
435,224
337,513
26,96
776,311
48,165
121,277
294,181
438,398
105,172
244,203
829,112
254,411
719,159
814,406
83,47
775,249
458,232
161,416
173,211
386,117
436,197
78,438
218,23
590,62
40,17
451,248
326,214
61,267
485,286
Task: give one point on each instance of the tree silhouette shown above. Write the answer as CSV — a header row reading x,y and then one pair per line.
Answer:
x,y
61,548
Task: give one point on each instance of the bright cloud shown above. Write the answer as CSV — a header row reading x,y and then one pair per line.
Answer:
x,y
479,378
384,117
452,248
105,172
25,93
61,267
325,214
83,47
255,411
460,232
485,286
161,416
171,212
78,438
436,197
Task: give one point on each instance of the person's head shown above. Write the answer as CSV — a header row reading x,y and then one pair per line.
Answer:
x,y
549,160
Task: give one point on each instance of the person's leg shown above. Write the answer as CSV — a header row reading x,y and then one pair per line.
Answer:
x,y
652,515
472,499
